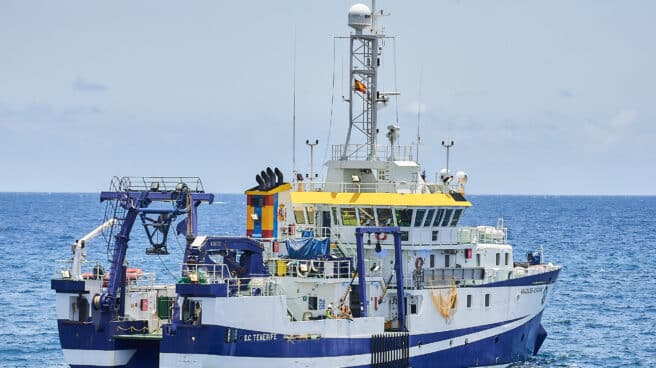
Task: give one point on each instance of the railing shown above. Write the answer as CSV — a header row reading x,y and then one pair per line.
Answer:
x,y
318,269
377,187
482,235
63,269
220,274
286,232
156,183
381,152
437,277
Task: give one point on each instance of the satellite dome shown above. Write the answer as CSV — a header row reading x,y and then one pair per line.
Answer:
x,y
462,177
359,16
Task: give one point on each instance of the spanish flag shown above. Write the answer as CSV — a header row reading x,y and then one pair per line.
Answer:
x,y
360,87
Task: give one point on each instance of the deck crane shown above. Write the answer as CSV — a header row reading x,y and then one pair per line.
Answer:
x,y
132,198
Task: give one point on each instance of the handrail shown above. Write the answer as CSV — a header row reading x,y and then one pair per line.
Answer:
x,y
482,235
156,183
381,152
217,273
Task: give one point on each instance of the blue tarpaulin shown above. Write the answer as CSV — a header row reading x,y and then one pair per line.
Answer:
x,y
307,248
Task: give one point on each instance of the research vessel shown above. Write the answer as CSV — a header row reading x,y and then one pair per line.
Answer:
x,y
368,268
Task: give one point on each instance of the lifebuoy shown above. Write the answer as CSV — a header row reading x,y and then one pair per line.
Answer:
x,y
419,263
381,236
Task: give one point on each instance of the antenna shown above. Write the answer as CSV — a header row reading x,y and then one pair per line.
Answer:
x,y
294,104
421,72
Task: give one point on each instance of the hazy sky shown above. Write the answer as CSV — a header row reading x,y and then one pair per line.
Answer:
x,y
555,97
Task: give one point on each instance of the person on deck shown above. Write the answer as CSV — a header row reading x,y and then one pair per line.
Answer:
x,y
329,312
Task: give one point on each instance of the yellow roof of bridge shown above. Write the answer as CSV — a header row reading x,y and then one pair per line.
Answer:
x,y
378,199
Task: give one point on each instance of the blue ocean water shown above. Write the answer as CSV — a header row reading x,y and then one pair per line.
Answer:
x,y
602,314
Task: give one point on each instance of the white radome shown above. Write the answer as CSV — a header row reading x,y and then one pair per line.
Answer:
x,y
359,16
462,177
443,174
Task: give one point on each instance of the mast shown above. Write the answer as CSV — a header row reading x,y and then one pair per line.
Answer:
x,y
363,91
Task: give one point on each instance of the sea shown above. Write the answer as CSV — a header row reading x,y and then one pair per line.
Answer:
x,y
602,312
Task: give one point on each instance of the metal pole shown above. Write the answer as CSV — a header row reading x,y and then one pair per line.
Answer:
x,y
316,141
447,146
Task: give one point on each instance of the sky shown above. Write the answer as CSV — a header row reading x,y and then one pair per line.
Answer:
x,y
540,97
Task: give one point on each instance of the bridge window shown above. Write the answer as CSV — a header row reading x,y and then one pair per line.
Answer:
x,y
405,236
419,217
456,217
435,233
429,217
507,256
446,260
310,215
447,217
299,215
348,217
438,217
366,216
385,216
403,217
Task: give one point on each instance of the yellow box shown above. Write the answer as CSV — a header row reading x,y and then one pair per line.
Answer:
x,y
281,267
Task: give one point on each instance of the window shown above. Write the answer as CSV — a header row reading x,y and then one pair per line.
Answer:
x,y
429,217
366,217
478,260
419,217
446,260
405,236
438,217
507,256
435,233
334,212
299,215
432,260
469,301
403,217
487,300
348,217
498,259
310,215
447,217
456,217
385,216
312,302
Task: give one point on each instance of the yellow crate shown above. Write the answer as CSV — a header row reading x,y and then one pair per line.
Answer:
x,y
281,267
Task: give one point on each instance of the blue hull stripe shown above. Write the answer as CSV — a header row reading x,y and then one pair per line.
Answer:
x,y
211,340
539,279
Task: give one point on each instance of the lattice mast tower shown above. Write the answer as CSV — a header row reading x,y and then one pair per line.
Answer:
x,y
364,62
